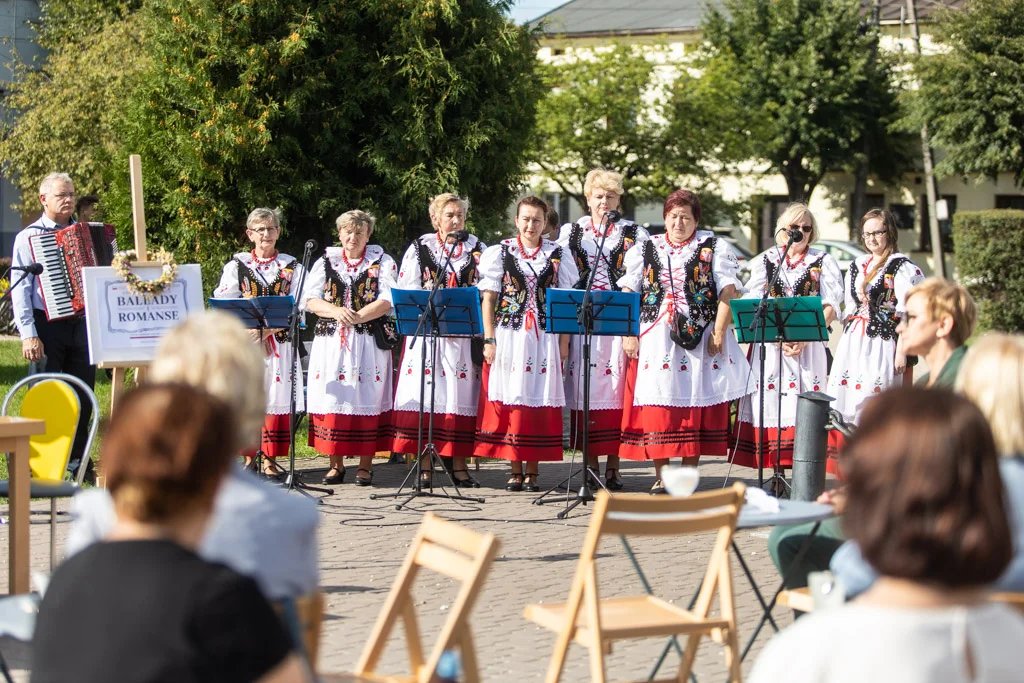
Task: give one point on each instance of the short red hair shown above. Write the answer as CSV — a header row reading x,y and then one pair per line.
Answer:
x,y
681,198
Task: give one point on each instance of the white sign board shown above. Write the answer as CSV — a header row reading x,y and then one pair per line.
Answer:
x,y
124,327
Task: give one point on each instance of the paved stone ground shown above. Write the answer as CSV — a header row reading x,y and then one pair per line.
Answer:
x,y
363,542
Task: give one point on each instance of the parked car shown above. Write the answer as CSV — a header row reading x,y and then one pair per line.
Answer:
x,y
743,255
842,251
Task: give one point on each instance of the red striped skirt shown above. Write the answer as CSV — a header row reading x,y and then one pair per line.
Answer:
x,y
350,435
836,444
746,449
274,437
453,434
517,433
605,431
663,432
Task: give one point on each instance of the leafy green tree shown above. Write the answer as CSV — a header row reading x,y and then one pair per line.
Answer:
x,y
805,87
971,92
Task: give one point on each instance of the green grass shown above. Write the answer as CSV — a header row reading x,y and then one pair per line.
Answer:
x,y
13,368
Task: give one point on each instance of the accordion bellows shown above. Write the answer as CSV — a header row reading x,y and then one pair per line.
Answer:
x,y
63,253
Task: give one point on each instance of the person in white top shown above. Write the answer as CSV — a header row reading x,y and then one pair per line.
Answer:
x,y
870,356
582,239
927,506
804,271
264,271
349,376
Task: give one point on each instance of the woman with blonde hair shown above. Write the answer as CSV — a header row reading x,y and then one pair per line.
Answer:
x,y
264,271
803,271
870,357
456,383
349,374
615,238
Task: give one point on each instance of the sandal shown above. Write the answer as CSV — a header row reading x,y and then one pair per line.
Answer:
x,y
612,483
530,482
658,489
469,482
515,482
335,478
361,481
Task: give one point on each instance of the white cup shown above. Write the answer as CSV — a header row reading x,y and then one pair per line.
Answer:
x,y
680,481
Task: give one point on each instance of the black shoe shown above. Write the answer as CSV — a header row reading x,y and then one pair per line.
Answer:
x,y
338,478
426,477
530,483
360,481
658,489
469,482
612,483
515,482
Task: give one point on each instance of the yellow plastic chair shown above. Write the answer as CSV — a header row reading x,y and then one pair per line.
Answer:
x,y
51,397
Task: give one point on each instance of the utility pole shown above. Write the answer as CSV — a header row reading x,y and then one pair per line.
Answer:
x,y
931,188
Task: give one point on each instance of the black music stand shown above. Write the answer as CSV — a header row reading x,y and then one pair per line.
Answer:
x,y
426,317
603,313
781,319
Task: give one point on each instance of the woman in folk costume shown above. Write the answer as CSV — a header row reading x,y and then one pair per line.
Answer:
x,y
520,416
457,381
686,365
603,190
263,271
870,357
804,271
349,377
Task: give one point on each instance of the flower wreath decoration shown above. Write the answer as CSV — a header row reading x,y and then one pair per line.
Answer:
x,y
121,263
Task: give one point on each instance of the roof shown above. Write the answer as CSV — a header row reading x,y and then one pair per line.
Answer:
x,y
582,18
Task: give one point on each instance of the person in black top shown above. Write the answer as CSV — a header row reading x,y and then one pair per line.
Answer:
x,y
143,607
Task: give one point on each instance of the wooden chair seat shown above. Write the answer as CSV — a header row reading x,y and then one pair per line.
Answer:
x,y
798,599
353,678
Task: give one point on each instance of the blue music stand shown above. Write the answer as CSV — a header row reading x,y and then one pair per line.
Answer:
x,y
616,314
259,312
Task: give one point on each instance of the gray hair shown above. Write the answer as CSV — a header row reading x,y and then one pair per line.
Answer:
x,y
53,178
354,218
262,215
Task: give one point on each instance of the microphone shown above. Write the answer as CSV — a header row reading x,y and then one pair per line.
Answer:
x,y
612,216
32,268
310,245
794,235
459,235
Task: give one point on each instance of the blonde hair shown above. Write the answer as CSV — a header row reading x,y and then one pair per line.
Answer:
x,y
945,297
992,375
444,199
214,352
353,219
600,179
793,212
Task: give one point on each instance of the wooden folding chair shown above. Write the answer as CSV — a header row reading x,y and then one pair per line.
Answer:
x,y
596,622
456,552
797,599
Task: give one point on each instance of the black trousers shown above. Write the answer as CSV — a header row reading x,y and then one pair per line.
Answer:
x,y
67,350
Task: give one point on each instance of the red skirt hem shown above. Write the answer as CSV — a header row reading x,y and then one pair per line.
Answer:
x,y
516,433
836,444
454,435
746,448
605,435
275,439
350,435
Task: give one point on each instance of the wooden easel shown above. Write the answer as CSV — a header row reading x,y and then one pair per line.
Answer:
x,y
139,221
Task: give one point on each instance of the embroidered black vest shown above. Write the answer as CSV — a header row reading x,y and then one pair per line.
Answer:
x,y
252,285
466,277
882,316
365,289
513,300
651,292
808,284
616,257
699,287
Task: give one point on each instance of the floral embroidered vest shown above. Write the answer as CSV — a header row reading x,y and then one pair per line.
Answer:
x,y
808,284
365,289
253,285
514,298
882,316
466,277
616,257
698,286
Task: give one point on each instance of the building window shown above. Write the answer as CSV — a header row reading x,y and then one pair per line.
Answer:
x,y
1010,201
905,214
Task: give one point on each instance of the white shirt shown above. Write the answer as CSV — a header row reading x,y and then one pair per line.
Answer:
x,y
857,643
25,295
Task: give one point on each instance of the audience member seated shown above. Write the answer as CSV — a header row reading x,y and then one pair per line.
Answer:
x,y
1002,402
940,317
926,504
142,606
257,529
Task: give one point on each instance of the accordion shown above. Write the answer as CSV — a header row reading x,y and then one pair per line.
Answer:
x,y
63,253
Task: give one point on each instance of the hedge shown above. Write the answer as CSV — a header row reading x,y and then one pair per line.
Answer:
x,y
990,260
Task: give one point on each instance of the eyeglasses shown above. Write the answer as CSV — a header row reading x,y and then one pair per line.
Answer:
x,y
907,318
806,228
265,230
876,234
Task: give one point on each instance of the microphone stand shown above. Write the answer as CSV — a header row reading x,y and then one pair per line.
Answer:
x,y
760,320
428,451
585,317
291,482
